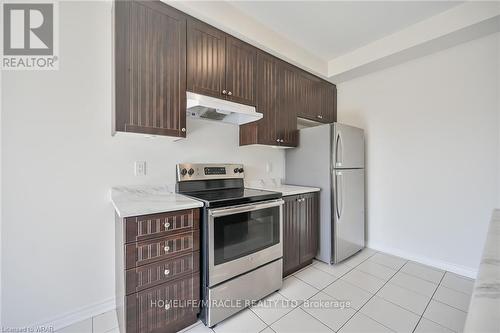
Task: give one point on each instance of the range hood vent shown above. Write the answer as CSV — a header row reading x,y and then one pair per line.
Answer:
x,y
210,108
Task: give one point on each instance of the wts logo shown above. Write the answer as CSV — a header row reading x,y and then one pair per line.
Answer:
x,y
28,36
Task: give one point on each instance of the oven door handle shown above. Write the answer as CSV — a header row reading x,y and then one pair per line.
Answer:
x,y
243,209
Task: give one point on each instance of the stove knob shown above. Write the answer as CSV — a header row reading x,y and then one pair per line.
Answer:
x,y
241,170
236,170
191,171
183,172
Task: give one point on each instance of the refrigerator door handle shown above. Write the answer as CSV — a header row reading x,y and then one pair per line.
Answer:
x,y
338,150
338,194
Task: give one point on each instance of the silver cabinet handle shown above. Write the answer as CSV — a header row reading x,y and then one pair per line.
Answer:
x,y
277,140
281,140
166,272
183,129
167,225
320,116
229,93
167,248
224,92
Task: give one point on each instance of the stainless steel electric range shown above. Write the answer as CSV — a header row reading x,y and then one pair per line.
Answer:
x,y
241,248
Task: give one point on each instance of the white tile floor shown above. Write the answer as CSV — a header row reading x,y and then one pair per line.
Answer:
x,y
386,294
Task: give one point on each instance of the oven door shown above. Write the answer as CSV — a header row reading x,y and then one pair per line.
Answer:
x,y
242,238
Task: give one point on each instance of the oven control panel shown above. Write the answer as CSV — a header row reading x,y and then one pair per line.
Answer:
x,y
215,171
194,171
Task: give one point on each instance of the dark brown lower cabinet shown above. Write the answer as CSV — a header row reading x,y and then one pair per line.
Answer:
x,y
157,272
164,308
300,231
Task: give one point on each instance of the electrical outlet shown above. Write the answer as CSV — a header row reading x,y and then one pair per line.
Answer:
x,y
140,168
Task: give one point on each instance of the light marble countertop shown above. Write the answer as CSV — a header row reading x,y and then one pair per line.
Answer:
x,y
484,309
142,200
276,186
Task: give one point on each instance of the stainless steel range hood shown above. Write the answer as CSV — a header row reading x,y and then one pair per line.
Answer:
x,y
210,108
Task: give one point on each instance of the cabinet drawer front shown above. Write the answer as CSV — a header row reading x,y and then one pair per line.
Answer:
x,y
157,225
164,308
149,251
143,277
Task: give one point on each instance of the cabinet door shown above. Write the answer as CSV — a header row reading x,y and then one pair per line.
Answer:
x,y
241,70
308,106
328,99
291,234
287,116
150,67
268,103
205,59
309,227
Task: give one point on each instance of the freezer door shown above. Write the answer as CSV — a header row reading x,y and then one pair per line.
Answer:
x,y
348,147
348,213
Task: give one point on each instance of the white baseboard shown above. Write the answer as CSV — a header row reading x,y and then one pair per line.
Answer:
x,y
79,314
458,269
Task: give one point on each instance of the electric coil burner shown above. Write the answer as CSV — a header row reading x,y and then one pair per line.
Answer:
x,y
241,246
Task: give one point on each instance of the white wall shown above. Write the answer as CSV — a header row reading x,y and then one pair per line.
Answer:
x,y
498,103
59,161
432,129
1,214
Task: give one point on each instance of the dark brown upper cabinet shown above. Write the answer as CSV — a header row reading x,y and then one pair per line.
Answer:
x,y
285,92
219,65
160,53
290,100
265,130
206,63
150,68
276,100
319,99
241,69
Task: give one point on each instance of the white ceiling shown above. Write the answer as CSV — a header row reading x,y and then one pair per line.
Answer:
x,y
329,29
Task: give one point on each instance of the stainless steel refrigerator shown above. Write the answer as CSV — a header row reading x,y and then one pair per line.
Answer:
x,y
332,157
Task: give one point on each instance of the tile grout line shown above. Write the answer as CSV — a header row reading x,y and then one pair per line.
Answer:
x,y
430,300
336,278
340,328
451,306
328,327
350,270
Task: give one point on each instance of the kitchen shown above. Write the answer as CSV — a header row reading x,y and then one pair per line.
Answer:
x,y
77,155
